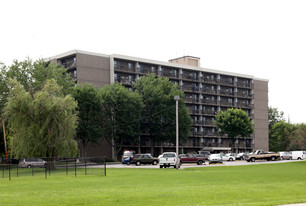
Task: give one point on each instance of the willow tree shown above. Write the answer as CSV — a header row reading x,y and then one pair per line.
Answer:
x,y
41,124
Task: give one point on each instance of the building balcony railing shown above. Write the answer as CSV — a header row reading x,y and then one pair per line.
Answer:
x,y
227,93
209,80
226,82
244,84
125,81
208,123
209,134
227,104
169,75
69,64
244,105
209,91
241,94
209,112
189,88
209,101
189,77
124,68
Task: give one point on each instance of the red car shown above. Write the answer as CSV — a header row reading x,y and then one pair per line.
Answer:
x,y
191,158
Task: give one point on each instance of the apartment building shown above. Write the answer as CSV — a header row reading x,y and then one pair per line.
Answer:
x,y
207,91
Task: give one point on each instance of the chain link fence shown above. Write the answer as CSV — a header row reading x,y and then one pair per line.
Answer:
x,y
46,167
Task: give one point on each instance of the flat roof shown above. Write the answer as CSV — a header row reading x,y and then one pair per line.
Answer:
x,y
150,61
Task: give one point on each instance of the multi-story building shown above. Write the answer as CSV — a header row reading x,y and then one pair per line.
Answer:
x,y
206,91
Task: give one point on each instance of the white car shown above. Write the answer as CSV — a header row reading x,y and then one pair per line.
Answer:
x,y
228,157
298,155
214,158
168,159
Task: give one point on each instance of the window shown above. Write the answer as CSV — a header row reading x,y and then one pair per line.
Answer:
x,y
115,64
130,65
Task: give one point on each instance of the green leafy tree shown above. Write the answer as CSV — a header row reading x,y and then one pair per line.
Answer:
x,y
89,107
120,115
234,123
41,124
298,138
159,110
279,136
275,116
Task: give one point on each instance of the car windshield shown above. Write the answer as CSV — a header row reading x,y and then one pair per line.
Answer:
x,y
169,155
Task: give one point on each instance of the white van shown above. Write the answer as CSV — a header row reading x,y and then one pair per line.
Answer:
x,y
298,155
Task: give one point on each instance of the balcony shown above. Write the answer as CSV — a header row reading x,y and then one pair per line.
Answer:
x,y
169,74
209,91
68,64
244,84
226,104
208,123
244,105
226,82
245,95
225,92
209,101
209,80
209,112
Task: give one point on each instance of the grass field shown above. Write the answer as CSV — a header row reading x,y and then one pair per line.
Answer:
x,y
269,184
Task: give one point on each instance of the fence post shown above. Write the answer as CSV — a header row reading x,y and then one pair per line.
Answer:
x,y
17,170
32,170
104,166
75,173
85,165
66,167
46,168
9,168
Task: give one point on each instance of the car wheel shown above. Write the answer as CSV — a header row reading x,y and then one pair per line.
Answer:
x,y
282,158
154,162
230,159
138,163
272,158
290,158
29,166
253,159
200,162
299,158
160,166
128,163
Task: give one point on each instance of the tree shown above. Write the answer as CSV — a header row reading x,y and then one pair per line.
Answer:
x,y
32,76
298,138
41,124
275,116
89,110
234,123
120,115
279,136
159,110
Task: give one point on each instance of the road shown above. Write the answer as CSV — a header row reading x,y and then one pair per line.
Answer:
x,y
233,163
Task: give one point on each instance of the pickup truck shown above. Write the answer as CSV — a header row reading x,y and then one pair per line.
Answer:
x,y
191,158
168,159
259,154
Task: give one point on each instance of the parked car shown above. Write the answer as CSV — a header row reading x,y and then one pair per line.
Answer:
x,y
168,159
205,154
139,159
32,162
240,156
191,158
298,155
228,157
215,158
127,154
285,155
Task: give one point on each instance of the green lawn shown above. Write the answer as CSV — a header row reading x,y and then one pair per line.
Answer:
x,y
271,184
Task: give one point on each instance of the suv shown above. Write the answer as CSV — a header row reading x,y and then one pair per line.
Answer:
x,y
144,159
191,158
32,162
168,159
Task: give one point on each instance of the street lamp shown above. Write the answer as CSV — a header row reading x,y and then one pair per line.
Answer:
x,y
177,98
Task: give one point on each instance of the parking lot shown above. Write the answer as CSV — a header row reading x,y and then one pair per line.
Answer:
x,y
232,163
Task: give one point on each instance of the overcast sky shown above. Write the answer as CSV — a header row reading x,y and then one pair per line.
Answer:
x,y
263,38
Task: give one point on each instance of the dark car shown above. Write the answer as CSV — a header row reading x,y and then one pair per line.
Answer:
x,y
191,158
139,159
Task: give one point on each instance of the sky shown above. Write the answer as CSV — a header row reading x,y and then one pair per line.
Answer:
x,y
262,38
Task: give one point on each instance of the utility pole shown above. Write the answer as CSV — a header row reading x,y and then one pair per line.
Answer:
x,y
177,98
